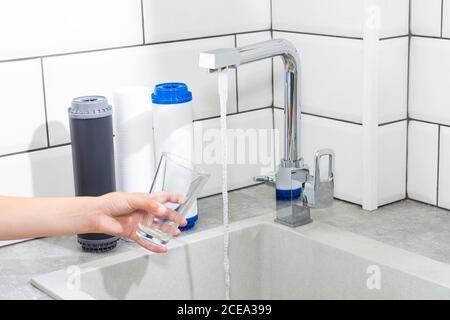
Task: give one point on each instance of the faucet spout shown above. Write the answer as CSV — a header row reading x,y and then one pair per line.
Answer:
x,y
296,189
233,57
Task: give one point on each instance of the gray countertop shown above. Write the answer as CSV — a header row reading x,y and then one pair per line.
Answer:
x,y
407,224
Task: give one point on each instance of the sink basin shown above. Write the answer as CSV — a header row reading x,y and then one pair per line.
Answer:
x,y
268,261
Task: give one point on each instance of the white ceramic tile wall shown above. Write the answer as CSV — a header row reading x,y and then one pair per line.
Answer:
x,y
22,121
346,140
446,19
426,17
422,161
34,28
239,175
332,83
430,18
46,173
38,173
393,80
255,79
324,89
338,17
444,169
181,19
100,72
392,162
332,74
331,78
429,79
429,138
117,35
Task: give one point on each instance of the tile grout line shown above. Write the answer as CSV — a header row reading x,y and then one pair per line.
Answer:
x,y
442,15
429,37
272,71
318,34
347,121
430,122
407,98
236,75
395,37
249,110
438,165
232,114
273,84
189,39
45,102
131,46
337,36
439,126
271,14
34,150
142,22
68,143
275,143
392,122
271,37
329,118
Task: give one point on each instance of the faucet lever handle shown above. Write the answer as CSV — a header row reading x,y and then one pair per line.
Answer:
x,y
319,193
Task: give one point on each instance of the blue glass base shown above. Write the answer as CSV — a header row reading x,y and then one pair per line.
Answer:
x,y
287,194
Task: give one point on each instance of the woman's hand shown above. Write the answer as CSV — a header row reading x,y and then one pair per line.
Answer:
x,y
121,213
115,213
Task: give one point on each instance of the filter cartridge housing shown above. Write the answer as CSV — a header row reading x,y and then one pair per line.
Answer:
x,y
91,132
173,128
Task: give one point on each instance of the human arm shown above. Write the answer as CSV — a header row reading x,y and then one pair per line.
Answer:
x,y
115,213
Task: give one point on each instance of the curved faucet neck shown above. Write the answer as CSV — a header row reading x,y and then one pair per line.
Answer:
x,y
270,49
233,57
292,111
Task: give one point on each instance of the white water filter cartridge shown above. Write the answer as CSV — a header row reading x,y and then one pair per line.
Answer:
x,y
135,155
173,128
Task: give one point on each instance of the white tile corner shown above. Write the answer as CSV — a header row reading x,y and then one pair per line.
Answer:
x,y
422,161
444,168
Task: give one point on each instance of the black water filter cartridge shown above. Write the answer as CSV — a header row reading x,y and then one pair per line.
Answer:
x,y
91,132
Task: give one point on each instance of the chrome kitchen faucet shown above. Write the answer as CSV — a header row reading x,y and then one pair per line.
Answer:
x,y
296,189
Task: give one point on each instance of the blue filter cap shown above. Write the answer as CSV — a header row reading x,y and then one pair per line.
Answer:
x,y
190,223
171,93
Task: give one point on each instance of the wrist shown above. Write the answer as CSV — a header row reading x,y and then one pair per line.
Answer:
x,y
88,217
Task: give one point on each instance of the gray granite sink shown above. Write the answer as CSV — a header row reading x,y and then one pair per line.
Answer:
x,y
420,229
268,261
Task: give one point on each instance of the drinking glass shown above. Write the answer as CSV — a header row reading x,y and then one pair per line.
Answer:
x,y
176,175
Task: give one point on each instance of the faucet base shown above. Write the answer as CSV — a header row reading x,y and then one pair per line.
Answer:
x,y
293,222
292,214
